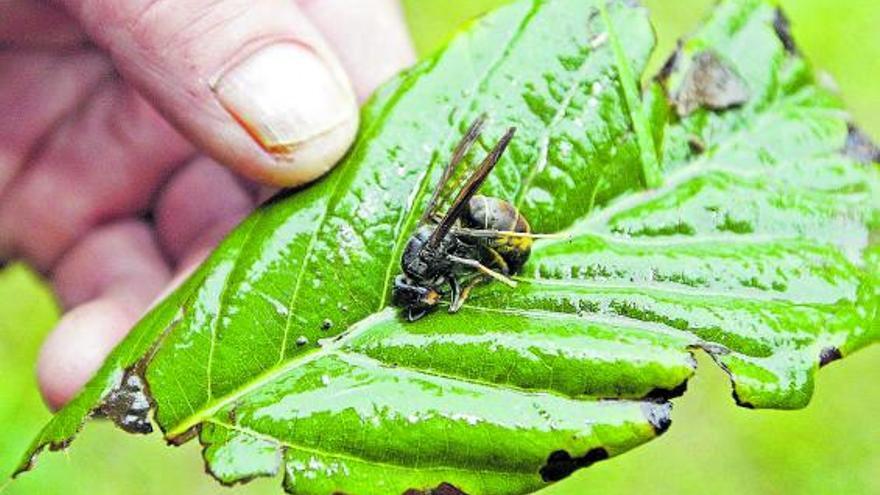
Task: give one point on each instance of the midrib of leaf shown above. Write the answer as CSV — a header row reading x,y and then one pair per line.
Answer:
x,y
651,172
273,373
409,218
335,346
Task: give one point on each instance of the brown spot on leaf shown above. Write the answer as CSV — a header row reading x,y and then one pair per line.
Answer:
x,y
828,355
441,489
860,147
561,464
783,30
710,83
128,405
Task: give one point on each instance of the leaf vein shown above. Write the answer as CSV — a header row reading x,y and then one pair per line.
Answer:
x,y
351,457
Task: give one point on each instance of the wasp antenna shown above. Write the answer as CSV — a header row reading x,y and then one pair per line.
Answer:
x,y
510,233
529,235
539,236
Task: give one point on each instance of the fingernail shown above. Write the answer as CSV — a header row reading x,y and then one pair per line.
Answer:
x,y
286,95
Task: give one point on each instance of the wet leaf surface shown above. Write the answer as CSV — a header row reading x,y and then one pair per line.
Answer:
x,y
742,226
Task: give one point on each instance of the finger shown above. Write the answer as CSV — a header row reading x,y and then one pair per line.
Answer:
x,y
370,37
200,204
266,193
119,270
120,260
36,23
253,83
104,163
37,89
77,347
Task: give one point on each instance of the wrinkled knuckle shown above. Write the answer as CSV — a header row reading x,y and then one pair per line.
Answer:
x,y
162,25
98,12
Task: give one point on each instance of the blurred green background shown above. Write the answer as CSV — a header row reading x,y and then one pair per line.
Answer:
x,y
833,446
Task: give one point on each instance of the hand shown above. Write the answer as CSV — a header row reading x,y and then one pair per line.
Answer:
x,y
107,107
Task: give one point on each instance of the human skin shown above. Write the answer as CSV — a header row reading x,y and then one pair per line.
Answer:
x,y
134,134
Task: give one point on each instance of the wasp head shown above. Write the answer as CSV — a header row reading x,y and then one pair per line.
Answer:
x,y
416,299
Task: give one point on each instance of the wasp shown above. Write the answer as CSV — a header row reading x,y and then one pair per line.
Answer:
x,y
477,239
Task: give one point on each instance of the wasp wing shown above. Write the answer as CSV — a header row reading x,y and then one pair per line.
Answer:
x,y
470,188
446,185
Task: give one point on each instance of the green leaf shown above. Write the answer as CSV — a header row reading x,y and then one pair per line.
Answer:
x,y
746,229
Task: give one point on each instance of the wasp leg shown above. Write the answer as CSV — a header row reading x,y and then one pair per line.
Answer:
x,y
413,314
454,292
499,260
484,269
465,292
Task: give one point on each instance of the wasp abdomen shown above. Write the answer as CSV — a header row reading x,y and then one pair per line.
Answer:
x,y
488,213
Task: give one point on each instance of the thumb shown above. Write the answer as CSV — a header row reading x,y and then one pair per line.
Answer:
x,y
252,83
